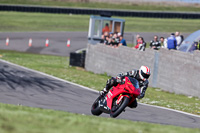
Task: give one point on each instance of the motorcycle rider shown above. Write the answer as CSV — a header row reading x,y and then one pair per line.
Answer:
x,y
141,75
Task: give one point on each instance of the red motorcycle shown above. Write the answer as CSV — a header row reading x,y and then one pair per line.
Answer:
x,y
117,99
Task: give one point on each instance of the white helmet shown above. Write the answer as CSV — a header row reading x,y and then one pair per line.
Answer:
x,y
144,72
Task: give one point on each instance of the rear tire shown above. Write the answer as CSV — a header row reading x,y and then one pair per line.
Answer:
x,y
95,109
123,105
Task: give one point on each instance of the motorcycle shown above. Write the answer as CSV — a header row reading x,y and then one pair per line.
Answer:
x,y
117,99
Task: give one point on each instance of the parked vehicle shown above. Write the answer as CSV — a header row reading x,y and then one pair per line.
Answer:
x,y
189,44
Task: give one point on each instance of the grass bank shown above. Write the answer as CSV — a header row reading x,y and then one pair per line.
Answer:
x,y
59,67
119,6
17,21
20,119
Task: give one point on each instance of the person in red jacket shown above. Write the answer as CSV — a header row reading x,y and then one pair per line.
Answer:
x,y
106,28
141,44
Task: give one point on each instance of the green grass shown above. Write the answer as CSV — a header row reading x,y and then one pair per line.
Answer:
x,y
17,21
121,6
59,67
20,119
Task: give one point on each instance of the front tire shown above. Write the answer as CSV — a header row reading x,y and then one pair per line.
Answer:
x,y
95,109
123,105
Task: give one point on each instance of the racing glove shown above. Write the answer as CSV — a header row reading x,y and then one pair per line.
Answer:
x,y
142,94
119,79
103,92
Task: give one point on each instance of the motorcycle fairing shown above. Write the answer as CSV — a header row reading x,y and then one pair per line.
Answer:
x,y
127,89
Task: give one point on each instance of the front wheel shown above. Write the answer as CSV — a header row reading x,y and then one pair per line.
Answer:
x,y
121,108
95,109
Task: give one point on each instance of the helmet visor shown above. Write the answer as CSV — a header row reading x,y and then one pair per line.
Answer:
x,y
146,76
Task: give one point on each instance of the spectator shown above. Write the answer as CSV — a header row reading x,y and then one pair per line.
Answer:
x,y
122,41
115,40
171,42
110,34
110,37
118,35
155,44
137,38
106,28
193,47
141,44
182,38
198,45
102,39
178,39
107,41
163,42
105,38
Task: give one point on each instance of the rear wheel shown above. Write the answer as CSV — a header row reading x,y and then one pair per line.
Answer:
x,y
117,109
95,109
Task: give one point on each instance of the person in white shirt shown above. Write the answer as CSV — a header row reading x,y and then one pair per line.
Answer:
x,y
178,39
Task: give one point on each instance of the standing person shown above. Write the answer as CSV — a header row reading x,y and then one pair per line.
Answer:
x,y
122,41
163,42
104,38
171,42
182,38
106,28
198,45
107,41
136,39
141,44
178,39
110,35
155,44
115,40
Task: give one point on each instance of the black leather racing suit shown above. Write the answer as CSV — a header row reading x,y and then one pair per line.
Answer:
x,y
119,79
155,44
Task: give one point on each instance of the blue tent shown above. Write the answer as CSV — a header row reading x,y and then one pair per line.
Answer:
x,y
188,45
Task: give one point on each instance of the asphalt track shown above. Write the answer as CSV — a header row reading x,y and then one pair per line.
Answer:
x,y
22,86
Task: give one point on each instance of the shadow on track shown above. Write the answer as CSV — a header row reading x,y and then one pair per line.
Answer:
x,y
12,79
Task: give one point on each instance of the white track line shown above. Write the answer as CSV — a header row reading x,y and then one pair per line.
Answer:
x,y
44,74
92,89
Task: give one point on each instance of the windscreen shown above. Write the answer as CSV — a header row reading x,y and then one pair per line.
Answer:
x,y
134,82
189,42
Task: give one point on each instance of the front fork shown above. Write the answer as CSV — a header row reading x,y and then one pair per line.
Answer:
x,y
103,105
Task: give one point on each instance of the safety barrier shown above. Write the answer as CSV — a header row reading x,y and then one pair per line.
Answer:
x,y
172,71
123,13
77,59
